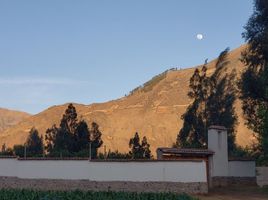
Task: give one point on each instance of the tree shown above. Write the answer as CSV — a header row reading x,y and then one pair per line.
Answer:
x,y
34,143
51,141
6,151
95,139
212,104
134,144
61,139
254,81
192,133
139,150
146,148
19,150
82,136
3,149
67,130
73,137
220,108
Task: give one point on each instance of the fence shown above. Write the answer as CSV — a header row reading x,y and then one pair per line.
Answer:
x,y
188,175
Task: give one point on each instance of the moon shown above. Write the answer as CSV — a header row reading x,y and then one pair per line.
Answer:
x,y
199,36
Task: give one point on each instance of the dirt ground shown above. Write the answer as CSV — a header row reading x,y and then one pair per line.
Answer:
x,y
237,193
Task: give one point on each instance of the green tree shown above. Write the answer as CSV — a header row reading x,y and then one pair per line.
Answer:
x,y
6,151
95,139
34,143
82,136
67,130
51,141
72,137
19,150
139,150
220,108
3,149
61,140
254,81
212,104
134,144
146,148
192,133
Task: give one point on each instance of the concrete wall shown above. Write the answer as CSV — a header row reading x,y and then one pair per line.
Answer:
x,y
160,171
241,168
217,142
8,167
262,176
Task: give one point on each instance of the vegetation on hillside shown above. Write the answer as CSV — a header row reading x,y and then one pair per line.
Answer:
x,y
149,85
213,104
254,80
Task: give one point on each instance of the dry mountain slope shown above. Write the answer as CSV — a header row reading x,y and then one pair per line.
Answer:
x,y
153,110
10,118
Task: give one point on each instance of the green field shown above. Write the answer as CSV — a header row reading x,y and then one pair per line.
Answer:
x,y
10,194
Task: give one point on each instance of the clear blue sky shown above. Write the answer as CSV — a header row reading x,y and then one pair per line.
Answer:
x,y
58,51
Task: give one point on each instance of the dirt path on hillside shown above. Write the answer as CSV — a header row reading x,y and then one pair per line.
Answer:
x,y
236,193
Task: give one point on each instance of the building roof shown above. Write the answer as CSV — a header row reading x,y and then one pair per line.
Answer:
x,y
241,159
185,151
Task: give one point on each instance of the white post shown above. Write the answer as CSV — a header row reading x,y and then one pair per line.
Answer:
x,y
89,150
24,151
217,142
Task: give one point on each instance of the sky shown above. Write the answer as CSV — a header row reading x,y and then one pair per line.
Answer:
x,y
59,51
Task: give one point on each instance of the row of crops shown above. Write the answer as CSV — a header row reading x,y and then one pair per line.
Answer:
x,y
12,194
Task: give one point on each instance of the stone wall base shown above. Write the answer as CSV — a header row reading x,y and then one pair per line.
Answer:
x,y
85,185
229,181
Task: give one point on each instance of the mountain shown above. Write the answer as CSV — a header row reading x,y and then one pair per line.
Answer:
x,y
10,118
153,110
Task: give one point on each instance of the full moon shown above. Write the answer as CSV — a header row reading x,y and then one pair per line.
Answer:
x,y
199,36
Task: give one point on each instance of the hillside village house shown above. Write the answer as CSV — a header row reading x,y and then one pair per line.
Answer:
x,y
174,170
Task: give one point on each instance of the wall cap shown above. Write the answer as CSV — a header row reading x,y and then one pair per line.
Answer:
x,y
222,128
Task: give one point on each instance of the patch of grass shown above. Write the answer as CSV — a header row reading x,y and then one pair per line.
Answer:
x,y
13,194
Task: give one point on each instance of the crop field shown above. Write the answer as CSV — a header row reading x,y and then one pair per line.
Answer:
x,y
12,194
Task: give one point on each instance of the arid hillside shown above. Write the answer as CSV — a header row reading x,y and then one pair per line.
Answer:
x,y
153,110
10,118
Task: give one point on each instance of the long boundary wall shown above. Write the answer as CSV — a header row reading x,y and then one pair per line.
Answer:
x,y
240,172
159,176
239,168
262,176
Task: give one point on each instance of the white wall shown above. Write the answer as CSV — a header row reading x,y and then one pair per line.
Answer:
x,y
262,176
53,169
242,168
8,167
168,171
217,142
